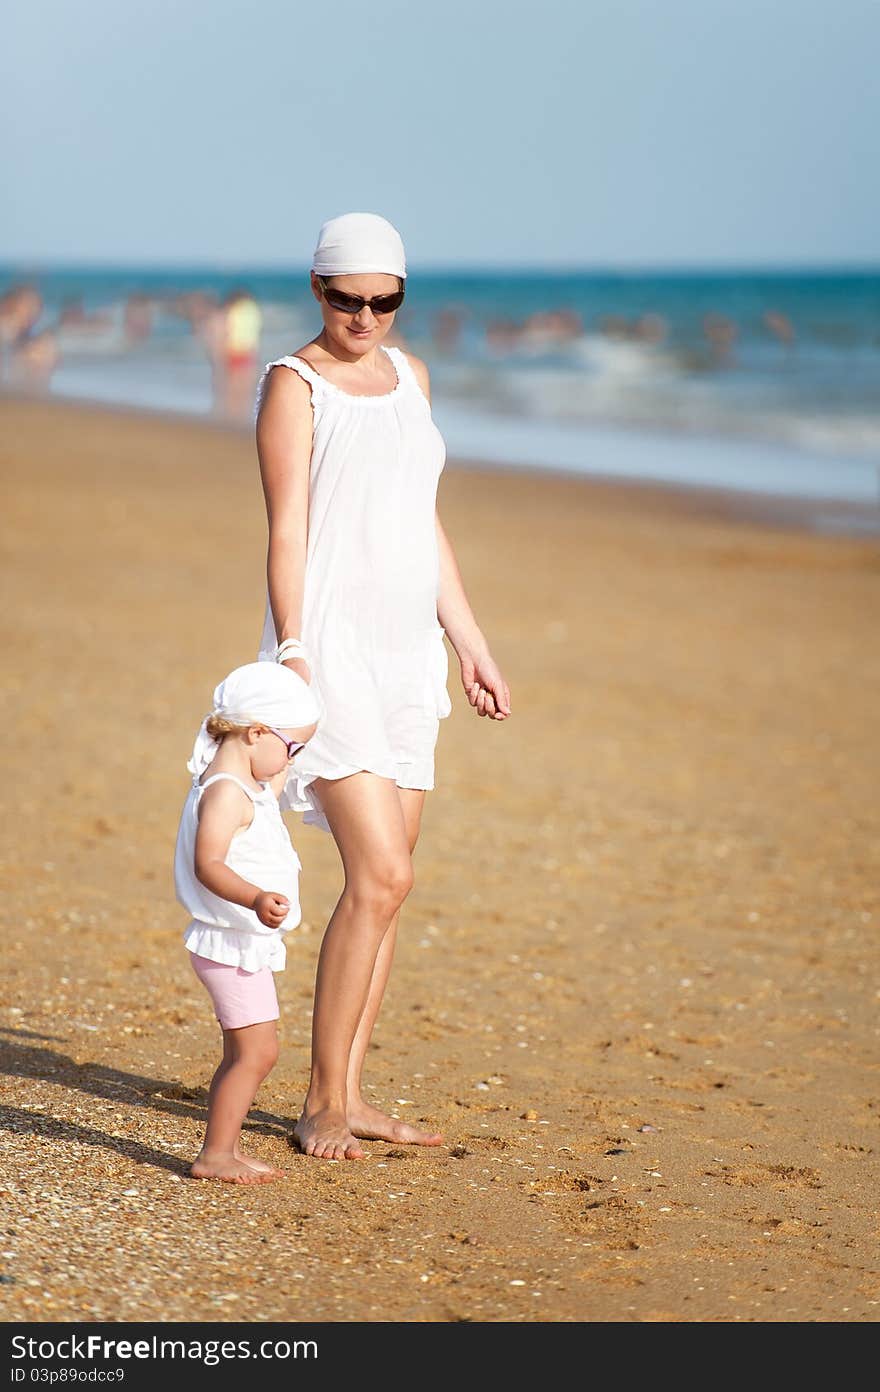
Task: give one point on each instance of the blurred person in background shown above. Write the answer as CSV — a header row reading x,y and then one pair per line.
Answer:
x,y
502,335
721,334
232,337
27,358
196,307
446,329
650,328
34,360
549,328
780,326
20,308
74,315
244,324
613,326
137,320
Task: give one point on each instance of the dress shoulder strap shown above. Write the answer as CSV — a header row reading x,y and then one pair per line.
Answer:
x,y
232,779
303,369
403,367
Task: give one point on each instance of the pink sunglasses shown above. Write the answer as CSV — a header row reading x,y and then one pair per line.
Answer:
x,y
290,745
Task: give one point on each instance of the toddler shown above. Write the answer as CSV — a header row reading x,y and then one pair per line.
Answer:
x,y
237,874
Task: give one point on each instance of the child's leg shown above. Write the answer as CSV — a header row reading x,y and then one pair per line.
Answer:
x,y
249,1054
249,1160
246,1006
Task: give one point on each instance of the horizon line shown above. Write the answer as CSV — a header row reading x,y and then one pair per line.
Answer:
x,y
22,266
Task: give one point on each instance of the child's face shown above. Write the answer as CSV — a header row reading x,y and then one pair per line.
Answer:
x,y
269,748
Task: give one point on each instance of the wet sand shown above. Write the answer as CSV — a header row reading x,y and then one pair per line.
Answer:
x,y
637,980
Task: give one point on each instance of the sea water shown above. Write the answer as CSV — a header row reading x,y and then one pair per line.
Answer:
x,y
766,381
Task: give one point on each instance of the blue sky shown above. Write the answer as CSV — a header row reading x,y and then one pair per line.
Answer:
x,y
617,133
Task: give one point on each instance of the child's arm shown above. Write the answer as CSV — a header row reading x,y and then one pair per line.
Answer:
x,y
223,811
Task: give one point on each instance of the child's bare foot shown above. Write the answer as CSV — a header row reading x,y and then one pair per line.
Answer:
x,y
259,1165
226,1167
326,1136
372,1125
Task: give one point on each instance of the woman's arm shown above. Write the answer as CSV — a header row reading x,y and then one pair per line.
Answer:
x,y
453,608
284,446
481,677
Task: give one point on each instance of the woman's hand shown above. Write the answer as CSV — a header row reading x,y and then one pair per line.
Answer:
x,y
301,668
485,688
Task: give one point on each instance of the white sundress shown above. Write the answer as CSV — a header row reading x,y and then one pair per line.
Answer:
x,y
261,853
369,619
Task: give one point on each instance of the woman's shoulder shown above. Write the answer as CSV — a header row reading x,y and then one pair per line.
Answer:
x,y
288,386
303,361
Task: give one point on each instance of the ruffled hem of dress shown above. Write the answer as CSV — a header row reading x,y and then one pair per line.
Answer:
x,y
297,795
248,951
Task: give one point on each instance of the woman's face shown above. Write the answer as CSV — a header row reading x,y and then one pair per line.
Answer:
x,y
356,333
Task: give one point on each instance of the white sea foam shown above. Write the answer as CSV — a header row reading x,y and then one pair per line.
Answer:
x,y
535,436
799,418
705,461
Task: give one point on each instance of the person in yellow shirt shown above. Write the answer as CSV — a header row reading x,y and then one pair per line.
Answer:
x,y
244,322
232,337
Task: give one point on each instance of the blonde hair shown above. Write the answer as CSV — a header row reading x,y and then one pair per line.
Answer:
x,y
217,726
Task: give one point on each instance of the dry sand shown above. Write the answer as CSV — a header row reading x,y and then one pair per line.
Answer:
x,y
638,978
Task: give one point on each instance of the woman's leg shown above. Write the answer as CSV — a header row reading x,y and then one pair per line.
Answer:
x,y
368,825
367,1121
249,1055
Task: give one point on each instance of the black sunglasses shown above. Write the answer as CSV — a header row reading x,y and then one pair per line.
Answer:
x,y
353,304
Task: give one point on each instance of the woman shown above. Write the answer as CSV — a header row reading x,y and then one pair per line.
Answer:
x,y
362,584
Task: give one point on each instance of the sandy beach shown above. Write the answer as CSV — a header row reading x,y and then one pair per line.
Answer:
x,y
638,976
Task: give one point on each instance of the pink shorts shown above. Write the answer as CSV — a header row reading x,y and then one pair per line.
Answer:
x,y
240,998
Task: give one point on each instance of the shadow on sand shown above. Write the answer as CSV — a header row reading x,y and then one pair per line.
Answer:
x,y
26,1060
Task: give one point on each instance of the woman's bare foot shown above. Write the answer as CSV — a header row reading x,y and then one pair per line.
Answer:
x,y
227,1167
372,1125
326,1136
259,1165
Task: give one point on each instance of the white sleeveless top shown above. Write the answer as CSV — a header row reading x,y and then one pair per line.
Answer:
x,y
263,854
369,618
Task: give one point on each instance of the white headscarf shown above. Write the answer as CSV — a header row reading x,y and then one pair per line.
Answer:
x,y
359,244
260,693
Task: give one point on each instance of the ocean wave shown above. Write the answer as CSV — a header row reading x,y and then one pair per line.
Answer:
x,y
786,363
